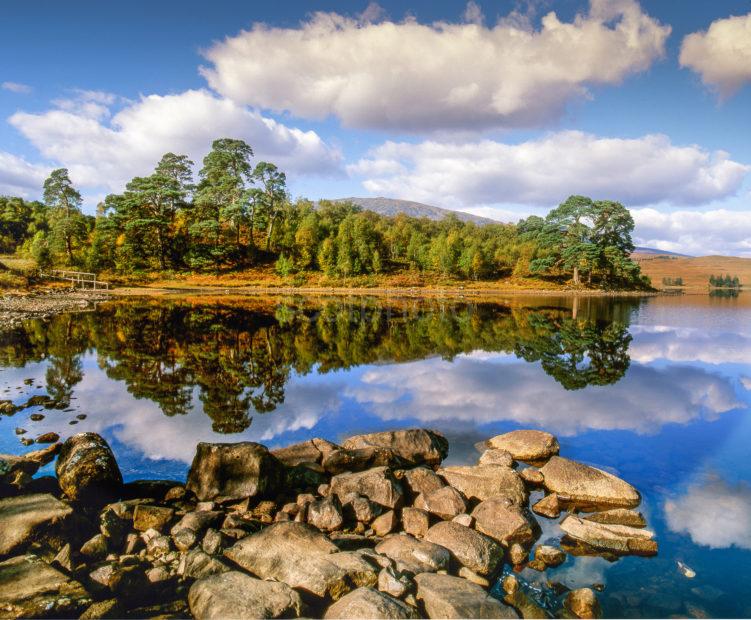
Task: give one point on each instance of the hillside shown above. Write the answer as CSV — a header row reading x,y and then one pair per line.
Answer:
x,y
695,271
393,206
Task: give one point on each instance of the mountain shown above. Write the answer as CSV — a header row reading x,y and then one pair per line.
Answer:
x,y
392,206
641,250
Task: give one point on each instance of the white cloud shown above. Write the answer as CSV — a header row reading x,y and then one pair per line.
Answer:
x,y
722,54
545,171
715,231
691,345
414,77
713,513
16,87
108,151
19,177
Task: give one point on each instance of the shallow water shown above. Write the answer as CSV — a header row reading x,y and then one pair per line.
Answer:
x,y
655,390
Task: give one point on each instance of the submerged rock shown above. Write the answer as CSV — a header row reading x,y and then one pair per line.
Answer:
x,y
587,487
482,482
414,446
30,518
87,471
583,603
617,539
234,471
445,596
477,552
236,595
526,445
369,603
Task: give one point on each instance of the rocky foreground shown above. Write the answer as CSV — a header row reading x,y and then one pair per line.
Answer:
x,y
374,528
44,304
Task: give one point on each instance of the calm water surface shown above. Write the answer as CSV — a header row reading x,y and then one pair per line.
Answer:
x,y
657,391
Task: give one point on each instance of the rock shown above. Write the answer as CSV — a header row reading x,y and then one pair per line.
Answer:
x,y
234,471
526,445
445,596
236,595
63,558
147,516
413,446
36,417
199,564
310,451
505,522
95,548
493,456
422,480
519,600
548,506
392,583
198,521
87,471
618,516
369,603
175,493
464,519
30,588
472,576
532,476
325,514
482,482
549,555
360,508
351,542
416,556
302,557
445,503
476,551
148,489
359,459
517,554
29,518
377,484
586,487
213,542
415,521
158,575
108,608
385,524
16,471
157,545
583,603
617,539
48,438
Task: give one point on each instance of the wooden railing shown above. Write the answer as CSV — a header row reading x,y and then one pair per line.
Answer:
x,y
78,278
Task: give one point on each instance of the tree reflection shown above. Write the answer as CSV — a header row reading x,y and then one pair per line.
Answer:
x,y
236,357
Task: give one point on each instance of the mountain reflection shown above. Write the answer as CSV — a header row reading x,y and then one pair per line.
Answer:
x,y
238,356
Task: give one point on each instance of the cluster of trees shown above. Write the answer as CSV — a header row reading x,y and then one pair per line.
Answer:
x,y
672,281
725,281
238,215
238,358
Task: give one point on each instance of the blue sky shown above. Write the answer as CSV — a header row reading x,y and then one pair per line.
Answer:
x,y
497,108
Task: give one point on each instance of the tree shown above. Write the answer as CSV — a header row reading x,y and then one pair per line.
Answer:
x,y
67,223
270,195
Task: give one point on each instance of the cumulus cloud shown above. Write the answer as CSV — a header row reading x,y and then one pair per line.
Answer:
x,y
19,177
715,231
105,149
414,77
544,171
690,345
713,513
16,87
721,55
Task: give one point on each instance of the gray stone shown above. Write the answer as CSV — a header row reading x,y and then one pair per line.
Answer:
x,y
532,476
87,470
493,456
377,484
416,556
445,596
390,582
476,551
361,508
618,539
385,524
445,503
416,446
146,516
199,564
526,445
505,521
198,521
548,506
422,480
108,608
549,555
325,514
234,471
415,521
95,548
618,516
29,518
482,482
583,603
369,603
359,459
310,451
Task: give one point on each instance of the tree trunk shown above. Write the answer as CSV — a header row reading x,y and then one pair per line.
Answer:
x,y
268,236
576,275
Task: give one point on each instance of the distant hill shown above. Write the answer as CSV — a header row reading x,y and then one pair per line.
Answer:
x,y
393,206
695,270
642,250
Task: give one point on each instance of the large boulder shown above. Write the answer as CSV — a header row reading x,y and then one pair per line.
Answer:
x,y
445,596
505,522
415,446
359,459
422,480
303,558
29,518
369,603
234,471
477,552
482,482
587,487
237,595
31,588
325,514
87,470
377,484
310,451
617,539
526,445
416,556
445,503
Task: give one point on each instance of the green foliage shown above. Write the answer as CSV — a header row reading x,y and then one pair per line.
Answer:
x,y
67,224
725,281
672,281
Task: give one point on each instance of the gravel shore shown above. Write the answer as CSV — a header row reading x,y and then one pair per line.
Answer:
x,y
17,307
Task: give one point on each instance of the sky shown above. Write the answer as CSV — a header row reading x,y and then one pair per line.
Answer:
x,y
502,109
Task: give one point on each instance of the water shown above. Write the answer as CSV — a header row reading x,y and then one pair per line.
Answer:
x,y
656,390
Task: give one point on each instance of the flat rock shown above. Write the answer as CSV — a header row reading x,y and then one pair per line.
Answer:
x,y
526,445
237,595
505,522
618,539
477,552
87,470
146,516
482,482
27,518
416,556
494,456
422,480
377,484
445,596
618,516
234,471
586,487
445,503
369,603
415,446
16,470
31,588
310,451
